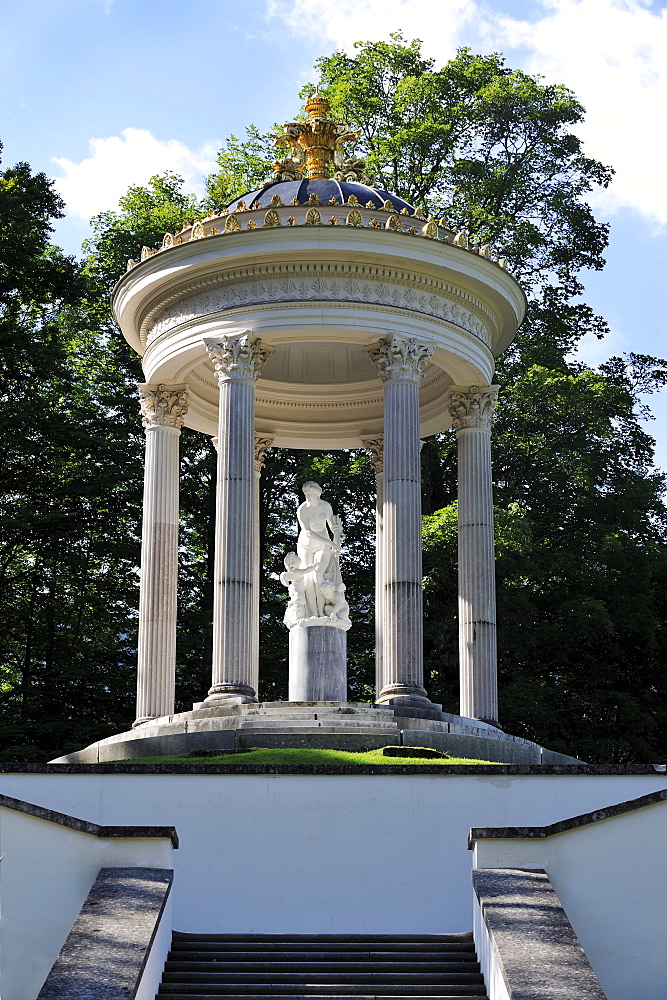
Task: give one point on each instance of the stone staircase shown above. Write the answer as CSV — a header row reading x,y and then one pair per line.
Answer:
x,y
298,966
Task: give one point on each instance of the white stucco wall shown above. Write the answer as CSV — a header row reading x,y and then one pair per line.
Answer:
x,y
327,854
46,873
611,878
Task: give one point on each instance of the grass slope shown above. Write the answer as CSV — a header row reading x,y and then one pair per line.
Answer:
x,y
292,756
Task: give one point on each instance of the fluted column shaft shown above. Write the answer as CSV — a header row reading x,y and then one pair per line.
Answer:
x,y
375,446
400,363
262,447
472,409
237,361
163,408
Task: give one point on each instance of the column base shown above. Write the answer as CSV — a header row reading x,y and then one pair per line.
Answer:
x,y
404,694
144,718
230,692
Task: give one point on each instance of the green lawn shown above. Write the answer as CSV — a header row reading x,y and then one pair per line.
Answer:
x,y
290,756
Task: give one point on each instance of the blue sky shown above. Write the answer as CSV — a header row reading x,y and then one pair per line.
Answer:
x,y
103,93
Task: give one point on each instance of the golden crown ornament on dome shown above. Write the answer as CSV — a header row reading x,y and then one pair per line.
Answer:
x,y
317,147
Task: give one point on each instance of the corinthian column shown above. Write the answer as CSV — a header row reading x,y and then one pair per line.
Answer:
x,y
262,448
400,363
163,408
237,361
376,447
472,411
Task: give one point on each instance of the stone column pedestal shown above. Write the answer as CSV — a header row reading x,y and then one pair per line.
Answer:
x,y
317,663
400,363
472,409
163,408
237,361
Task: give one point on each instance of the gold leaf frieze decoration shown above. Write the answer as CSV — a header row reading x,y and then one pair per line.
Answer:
x,y
353,200
404,211
354,218
145,252
272,218
313,217
232,224
292,220
197,231
241,206
313,200
370,204
387,206
394,222
167,241
375,224
333,201
252,225
461,239
294,201
276,201
333,221
430,230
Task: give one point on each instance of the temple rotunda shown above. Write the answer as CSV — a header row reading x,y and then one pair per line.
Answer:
x,y
317,312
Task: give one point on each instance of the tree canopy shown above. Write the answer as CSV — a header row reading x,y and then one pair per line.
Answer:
x,y
581,523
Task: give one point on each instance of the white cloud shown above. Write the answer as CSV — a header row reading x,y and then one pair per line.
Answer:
x,y
348,21
96,183
612,53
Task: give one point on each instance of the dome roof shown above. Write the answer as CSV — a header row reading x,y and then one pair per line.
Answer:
x,y
324,188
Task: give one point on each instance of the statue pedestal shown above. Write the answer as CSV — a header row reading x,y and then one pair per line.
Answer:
x,y
317,663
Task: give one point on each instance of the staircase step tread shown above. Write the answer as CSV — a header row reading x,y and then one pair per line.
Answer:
x,y
349,964
296,980
369,940
280,958
175,990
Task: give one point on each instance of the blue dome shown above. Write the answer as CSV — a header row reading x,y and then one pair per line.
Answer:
x,y
325,189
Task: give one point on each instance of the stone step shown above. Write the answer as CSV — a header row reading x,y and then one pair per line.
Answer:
x,y
222,966
362,956
332,724
371,941
204,991
451,994
346,979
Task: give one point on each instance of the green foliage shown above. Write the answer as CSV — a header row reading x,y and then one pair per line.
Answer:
x,y
242,166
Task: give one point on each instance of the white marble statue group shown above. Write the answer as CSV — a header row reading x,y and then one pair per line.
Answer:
x,y
312,573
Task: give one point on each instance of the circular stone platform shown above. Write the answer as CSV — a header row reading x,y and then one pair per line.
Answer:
x,y
318,725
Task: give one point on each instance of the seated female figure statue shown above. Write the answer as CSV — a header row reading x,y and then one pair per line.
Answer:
x,y
318,554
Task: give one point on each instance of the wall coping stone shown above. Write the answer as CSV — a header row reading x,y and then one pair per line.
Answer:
x,y
106,951
84,826
572,823
536,948
441,770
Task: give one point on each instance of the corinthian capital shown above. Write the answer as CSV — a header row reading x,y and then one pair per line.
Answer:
x,y
263,446
376,447
238,356
471,406
400,358
162,405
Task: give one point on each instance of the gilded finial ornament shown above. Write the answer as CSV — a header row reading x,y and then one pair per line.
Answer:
x,y
276,201
353,200
317,146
